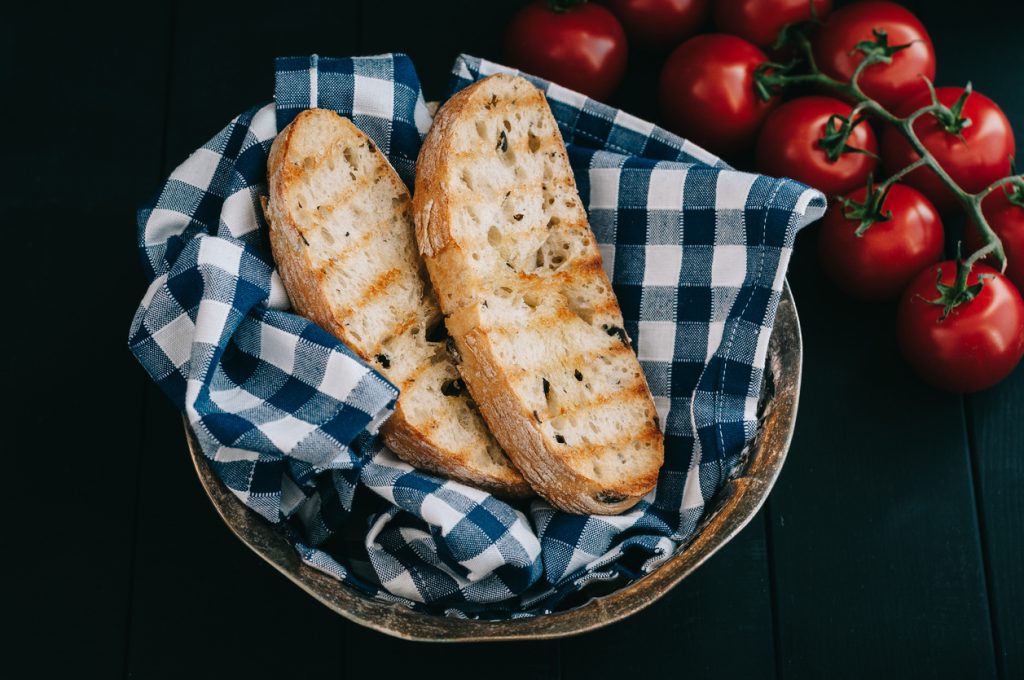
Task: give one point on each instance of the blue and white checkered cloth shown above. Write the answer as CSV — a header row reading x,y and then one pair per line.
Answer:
x,y
287,415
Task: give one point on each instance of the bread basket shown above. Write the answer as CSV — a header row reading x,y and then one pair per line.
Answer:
x,y
730,510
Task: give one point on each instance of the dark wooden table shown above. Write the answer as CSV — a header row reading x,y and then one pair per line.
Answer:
x,y
892,546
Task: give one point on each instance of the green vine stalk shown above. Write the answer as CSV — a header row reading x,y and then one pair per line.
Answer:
x,y
771,78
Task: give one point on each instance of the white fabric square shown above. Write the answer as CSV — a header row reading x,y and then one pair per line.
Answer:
x,y
625,120
235,399
761,352
662,405
750,409
278,295
421,116
264,123
402,585
483,565
780,273
239,213
657,340
715,331
198,169
692,498
228,454
287,433
373,97
700,153
211,319
732,190
728,266
278,347
436,511
607,258
162,224
604,188
341,376
665,190
662,264
220,253
563,94
175,339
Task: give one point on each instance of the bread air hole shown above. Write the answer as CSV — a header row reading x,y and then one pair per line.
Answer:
x,y
481,129
452,388
554,408
350,158
436,332
532,142
494,236
578,306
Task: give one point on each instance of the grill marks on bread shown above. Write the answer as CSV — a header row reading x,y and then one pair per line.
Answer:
x,y
520,278
342,236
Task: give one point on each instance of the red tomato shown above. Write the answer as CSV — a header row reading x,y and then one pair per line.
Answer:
x,y
659,25
889,84
760,21
582,47
706,92
1007,220
982,158
788,146
879,264
977,345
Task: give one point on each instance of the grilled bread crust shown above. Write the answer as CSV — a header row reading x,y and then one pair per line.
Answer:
x,y
342,236
520,280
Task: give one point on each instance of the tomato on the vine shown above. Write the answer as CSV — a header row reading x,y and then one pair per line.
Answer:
x,y
706,92
790,145
836,53
580,46
974,154
760,21
877,265
659,25
978,344
1007,220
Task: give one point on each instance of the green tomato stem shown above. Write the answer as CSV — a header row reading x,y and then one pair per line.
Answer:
x,y
851,91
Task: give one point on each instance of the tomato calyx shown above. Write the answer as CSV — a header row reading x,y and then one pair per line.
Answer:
x,y
959,293
771,78
869,211
838,129
562,6
797,34
1014,189
879,51
951,118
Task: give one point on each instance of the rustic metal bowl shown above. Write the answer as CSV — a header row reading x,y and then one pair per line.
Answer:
x,y
731,510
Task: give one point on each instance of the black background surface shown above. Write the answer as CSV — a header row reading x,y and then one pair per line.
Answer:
x,y
892,545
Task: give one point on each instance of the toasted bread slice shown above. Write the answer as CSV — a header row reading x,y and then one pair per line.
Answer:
x,y
342,235
536,323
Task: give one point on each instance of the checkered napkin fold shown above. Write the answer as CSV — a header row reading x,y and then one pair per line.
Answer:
x,y
287,415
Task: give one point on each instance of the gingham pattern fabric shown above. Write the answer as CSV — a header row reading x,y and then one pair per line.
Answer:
x,y
696,251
